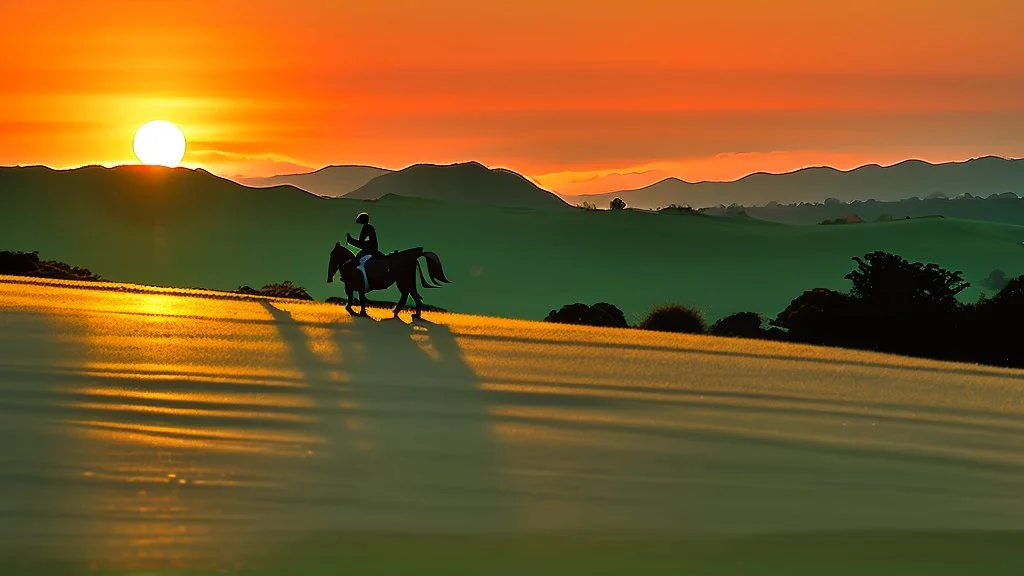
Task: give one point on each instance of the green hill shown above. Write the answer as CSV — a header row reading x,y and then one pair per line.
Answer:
x,y
191,229
465,183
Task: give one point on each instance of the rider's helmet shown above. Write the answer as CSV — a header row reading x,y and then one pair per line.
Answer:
x,y
363,218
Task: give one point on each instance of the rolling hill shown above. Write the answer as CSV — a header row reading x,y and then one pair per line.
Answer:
x,y
191,229
330,181
979,177
464,183
153,431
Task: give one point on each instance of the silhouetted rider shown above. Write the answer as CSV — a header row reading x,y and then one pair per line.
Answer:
x,y
367,244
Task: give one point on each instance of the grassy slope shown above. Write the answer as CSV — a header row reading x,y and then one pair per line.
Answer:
x,y
150,429
188,229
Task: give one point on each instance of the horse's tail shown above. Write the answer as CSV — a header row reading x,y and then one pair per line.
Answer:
x,y
434,268
423,280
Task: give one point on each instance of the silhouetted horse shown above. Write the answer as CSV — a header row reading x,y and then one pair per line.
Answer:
x,y
398,268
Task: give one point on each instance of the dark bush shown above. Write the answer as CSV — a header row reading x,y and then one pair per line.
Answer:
x,y
681,209
995,327
18,263
29,264
617,204
740,325
895,306
996,280
675,318
600,314
821,316
283,290
617,318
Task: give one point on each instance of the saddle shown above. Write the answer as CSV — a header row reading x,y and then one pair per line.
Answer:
x,y
375,266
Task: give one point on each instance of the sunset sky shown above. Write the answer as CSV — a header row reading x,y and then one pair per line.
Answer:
x,y
582,96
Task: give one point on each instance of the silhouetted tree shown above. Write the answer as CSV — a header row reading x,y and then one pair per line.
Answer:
x,y
600,314
996,280
675,318
889,282
618,204
895,306
740,325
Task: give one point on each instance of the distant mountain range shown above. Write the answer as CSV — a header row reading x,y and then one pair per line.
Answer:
x,y
1006,208
463,183
330,181
980,177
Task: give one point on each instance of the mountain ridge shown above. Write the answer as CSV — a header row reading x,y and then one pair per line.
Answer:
x,y
332,181
908,178
461,182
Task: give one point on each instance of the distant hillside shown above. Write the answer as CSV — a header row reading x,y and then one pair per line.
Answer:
x,y
980,177
466,183
188,228
331,181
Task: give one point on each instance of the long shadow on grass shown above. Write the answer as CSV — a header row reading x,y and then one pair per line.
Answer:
x,y
407,435
429,422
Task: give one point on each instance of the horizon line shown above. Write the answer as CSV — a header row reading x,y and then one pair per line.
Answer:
x,y
237,177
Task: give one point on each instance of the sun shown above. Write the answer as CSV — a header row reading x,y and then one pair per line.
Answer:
x,y
159,143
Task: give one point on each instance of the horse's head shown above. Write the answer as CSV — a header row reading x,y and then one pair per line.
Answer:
x,y
339,256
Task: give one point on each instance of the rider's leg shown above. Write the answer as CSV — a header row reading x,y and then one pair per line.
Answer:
x,y
362,268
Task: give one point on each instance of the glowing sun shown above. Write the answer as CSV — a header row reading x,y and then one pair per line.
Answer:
x,y
159,142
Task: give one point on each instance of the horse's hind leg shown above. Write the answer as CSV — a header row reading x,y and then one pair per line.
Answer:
x,y
362,302
419,301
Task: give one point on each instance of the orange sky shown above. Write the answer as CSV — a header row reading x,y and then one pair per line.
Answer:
x,y
581,96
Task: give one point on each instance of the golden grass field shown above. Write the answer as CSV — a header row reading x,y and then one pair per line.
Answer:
x,y
157,429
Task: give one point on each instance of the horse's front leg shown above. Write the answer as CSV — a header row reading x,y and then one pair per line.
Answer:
x,y
348,301
401,303
362,301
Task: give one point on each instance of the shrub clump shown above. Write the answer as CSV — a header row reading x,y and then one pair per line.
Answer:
x,y
675,318
996,280
600,314
283,290
740,325
29,264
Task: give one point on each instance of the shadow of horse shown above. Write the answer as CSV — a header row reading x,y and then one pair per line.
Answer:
x,y
431,424
399,268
